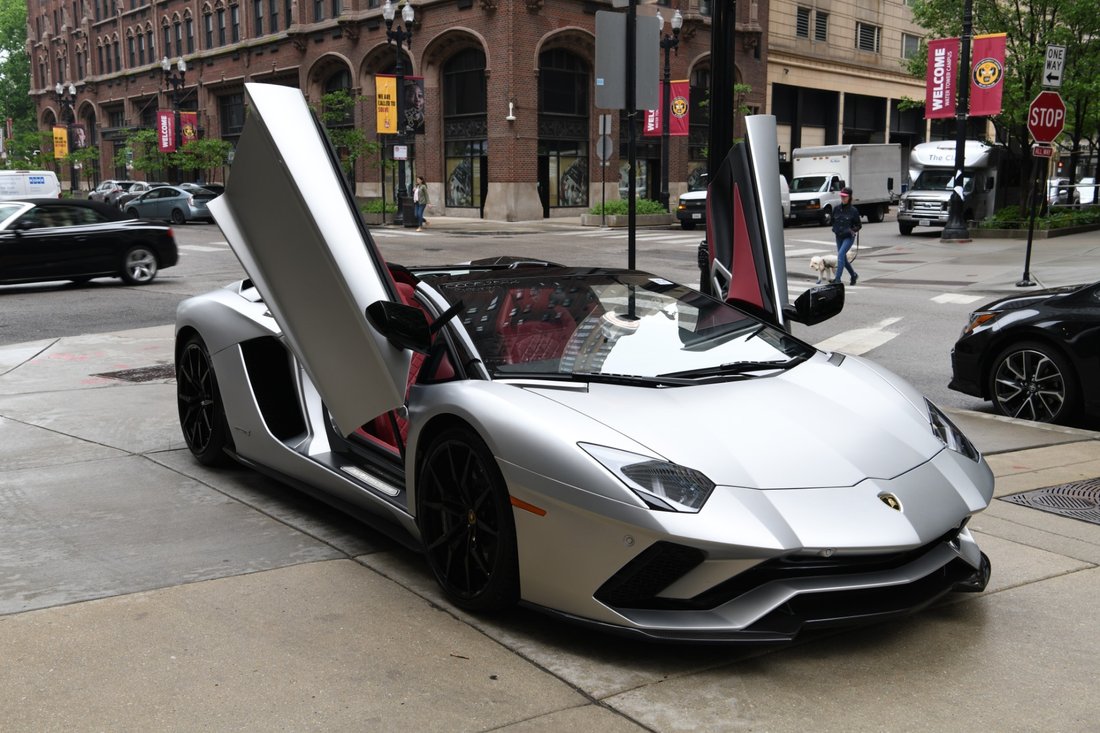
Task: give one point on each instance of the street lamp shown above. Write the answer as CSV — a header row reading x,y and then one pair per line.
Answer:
x,y
668,42
66,100
955,230
173,83
398,36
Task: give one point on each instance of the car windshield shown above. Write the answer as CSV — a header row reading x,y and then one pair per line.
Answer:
x,y
808,184
940,180
614,325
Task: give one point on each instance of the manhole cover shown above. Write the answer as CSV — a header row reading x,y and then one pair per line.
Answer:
x,y
142,374
1079,500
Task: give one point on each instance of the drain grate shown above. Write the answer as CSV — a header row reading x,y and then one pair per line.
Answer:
x,y
142,374
1078,500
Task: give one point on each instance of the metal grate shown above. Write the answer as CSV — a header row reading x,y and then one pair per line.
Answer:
x,y
142,374
1077,500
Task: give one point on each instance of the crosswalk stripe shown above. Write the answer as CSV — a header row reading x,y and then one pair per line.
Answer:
x,y
956,298
200,248
860,340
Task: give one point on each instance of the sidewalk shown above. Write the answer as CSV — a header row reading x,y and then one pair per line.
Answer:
x,y
140,591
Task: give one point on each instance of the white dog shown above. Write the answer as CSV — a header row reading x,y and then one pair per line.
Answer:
x,y
824,266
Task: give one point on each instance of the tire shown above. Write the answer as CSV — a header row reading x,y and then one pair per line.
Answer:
x,y
139,266
905,228
178,217
465,518
877,214
133,213
688,225
1033,381
198,399
827,216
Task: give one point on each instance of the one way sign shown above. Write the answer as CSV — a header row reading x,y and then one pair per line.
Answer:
x,y
1055,65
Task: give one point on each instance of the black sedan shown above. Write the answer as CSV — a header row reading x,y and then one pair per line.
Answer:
x,y
1035,356
71,239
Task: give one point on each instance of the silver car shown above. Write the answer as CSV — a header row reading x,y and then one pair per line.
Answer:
x,y
604,445
173,203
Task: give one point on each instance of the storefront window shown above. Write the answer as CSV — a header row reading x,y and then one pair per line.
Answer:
x,y
465,129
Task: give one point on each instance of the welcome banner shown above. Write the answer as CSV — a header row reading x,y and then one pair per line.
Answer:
x,y
678,111
940,83
166,131
987,75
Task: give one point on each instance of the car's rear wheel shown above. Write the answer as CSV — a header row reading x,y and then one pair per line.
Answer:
x,y
139,266
876,214
201,413
465,519
1034,382
178,217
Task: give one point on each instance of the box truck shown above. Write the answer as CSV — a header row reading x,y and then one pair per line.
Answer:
x,y
932,173
870,170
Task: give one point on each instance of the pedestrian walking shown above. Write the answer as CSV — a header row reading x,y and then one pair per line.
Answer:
x,y
420,201
846,226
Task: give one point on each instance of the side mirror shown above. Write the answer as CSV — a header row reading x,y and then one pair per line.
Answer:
x,y
404,326
819,303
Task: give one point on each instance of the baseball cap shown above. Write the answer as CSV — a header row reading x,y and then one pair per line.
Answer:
x,y
846,192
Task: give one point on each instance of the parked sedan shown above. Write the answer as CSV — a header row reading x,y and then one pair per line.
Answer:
x,y
174,203
108,187
71,239
1034,356
136,190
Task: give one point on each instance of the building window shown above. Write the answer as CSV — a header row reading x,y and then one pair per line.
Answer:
x,y
699,115
258,14
910,45
318,10
79,63
821,27
141,49
208,29
118,55
465,127
149,44
868,37
190,35
221,26
115,118
166,38
231,114
130,50
235,21
288,13
802,23
336,8
563,128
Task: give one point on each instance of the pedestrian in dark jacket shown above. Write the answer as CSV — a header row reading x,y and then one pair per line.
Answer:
x,y
846,224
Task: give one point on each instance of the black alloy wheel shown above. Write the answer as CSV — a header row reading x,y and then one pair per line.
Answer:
x,y
1033,382
465,519
202,415
178,218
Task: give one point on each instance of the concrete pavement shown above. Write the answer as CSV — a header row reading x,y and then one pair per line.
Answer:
x,y
140,591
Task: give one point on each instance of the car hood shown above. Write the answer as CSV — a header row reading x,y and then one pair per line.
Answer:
x,y
820,424
1014,302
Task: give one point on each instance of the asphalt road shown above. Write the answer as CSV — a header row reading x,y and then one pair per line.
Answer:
x,y
909,328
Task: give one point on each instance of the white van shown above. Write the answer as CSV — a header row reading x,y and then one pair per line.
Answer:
x,y
29,184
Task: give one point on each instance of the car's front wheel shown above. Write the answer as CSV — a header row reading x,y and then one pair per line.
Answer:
x,y
132,213
201,413
465,518
1034,382
827,216
905,228
139,266
178,217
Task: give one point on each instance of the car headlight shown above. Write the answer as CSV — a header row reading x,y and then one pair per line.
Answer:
x,y
949,435
978,319
660,484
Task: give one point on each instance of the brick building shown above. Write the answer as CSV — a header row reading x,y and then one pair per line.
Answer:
x,y
508,85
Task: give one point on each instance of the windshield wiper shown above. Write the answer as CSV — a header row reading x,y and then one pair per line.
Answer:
x,y
635,380
733,367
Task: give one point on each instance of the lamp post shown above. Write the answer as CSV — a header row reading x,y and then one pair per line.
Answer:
x,y
668,43
955,230
66,100
173,84
402,34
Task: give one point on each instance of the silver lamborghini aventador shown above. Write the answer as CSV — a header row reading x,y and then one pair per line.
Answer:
x,y
601,444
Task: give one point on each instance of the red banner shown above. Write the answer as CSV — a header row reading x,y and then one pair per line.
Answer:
x,y
939,97
987,75
166,131
678,109
189,127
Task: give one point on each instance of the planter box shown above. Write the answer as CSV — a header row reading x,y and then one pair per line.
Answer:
x,y
620,220
1037,234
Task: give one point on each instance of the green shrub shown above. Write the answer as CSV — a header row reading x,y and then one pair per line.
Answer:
x,y
618,207
374,206
1016,217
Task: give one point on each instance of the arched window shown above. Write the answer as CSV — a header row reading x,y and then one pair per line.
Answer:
x,y
340,82
465,129
563,129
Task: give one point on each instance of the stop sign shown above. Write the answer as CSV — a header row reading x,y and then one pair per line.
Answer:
x,y
1046,117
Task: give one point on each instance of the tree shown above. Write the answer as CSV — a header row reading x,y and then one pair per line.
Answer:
x,y
337,114
140,153
1030,27
15,99
206,156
